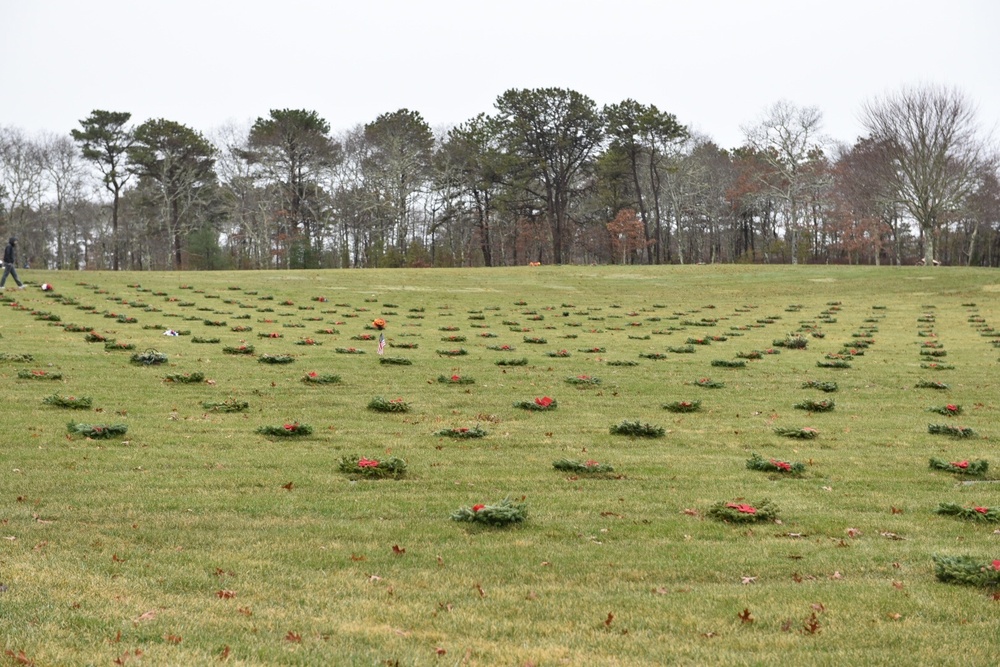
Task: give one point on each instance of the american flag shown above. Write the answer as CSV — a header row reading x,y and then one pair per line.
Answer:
x,y
381,343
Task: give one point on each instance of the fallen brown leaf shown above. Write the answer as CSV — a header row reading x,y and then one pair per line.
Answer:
x,y
126,656
811,625
19,657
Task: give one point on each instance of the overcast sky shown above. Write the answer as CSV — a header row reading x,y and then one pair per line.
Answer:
x,y
715,64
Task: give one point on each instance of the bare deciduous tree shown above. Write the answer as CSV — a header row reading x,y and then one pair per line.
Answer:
x,y
21,183
788,139
934,149
64,174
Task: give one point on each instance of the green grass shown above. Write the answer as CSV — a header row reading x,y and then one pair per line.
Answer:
x,y
193,537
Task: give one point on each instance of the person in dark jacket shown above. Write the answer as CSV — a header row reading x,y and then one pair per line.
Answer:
x,y
9,263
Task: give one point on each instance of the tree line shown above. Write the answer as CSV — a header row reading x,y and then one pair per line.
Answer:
x,y
547,177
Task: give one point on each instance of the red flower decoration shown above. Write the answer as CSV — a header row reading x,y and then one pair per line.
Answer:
x,y
290,427
781,465
996,565
544,401
590,463
455,378
960,464
982,510
313,374
951,408
476,508
740,507
367,463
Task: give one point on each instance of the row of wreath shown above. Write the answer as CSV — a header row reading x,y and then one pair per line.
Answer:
x,y
951,569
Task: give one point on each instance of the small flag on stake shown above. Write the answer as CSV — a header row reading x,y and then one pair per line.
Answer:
x,y
381,343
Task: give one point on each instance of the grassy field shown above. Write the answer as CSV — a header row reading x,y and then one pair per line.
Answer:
x,y
193,539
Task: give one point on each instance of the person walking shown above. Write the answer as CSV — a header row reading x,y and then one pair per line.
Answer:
x,y
10,263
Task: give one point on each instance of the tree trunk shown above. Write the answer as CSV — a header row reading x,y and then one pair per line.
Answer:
x,y
175,228
642,209
115,241
972,244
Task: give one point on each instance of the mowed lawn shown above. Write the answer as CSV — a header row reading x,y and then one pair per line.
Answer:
x,y
192,539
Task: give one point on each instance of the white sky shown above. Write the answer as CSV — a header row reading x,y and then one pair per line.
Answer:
x,y
715,64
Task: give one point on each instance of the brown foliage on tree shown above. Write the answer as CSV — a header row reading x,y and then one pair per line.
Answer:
x,y
627,236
